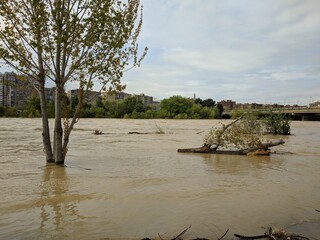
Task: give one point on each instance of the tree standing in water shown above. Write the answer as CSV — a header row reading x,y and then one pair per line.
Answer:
x,y
83,41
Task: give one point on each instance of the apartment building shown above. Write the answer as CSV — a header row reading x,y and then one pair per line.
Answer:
x,y
146,100
14,90
228,104
91,97
115,96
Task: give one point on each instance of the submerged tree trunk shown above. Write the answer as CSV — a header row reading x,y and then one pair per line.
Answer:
x,y
58,131
67,131
45,126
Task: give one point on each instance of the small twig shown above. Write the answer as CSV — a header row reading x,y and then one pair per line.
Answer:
x,y
317,210
200,132
224,235
183,232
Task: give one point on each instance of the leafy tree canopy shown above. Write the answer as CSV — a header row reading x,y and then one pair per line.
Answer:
x,y
86,42
176,105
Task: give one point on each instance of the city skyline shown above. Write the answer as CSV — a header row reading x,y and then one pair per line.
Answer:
x,y
9,78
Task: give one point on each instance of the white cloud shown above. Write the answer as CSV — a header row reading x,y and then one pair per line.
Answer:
x,y
234,49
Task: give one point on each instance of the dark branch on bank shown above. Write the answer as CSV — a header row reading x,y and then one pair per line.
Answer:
x,y
224,235
251,237
180,234
277,235
269,234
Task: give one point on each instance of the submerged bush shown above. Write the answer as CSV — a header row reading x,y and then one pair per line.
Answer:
x,y
277,124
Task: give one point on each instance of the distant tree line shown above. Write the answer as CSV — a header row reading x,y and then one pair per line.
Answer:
x,y
175,107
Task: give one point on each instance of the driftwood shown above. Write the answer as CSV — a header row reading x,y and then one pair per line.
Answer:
x,y
261,150
97,132
158,132
139,133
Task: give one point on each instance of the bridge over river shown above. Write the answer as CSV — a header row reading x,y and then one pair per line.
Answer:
x,y
296,113
303,113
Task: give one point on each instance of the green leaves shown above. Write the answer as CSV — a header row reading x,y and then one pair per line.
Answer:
x,y
247,131
97,38
277,124
240,135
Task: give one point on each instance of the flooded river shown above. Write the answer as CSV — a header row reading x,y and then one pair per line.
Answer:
x,y
123,186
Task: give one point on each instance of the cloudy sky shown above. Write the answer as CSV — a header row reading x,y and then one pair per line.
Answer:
x,y
264,51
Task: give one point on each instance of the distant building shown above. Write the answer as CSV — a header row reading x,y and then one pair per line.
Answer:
x,y
50,92
14,90
90,97
276,106
314,104
118,96
228,104
115,96
146,100
155,105
248,106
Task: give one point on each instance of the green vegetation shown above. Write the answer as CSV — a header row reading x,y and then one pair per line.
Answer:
x,y
277,124
175,107
178,107
271,123
243,133
33,108
246,133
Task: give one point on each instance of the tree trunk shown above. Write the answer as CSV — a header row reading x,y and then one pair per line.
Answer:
x,y
67,132
45,126
264,146
58,132
262,150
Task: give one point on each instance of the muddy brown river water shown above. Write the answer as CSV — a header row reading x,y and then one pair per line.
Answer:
x,y
123,186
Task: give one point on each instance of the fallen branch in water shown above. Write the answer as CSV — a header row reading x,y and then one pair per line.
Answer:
x,y
97,132
200,132
145,132
262,150
317,210
241,136
180,234
139,133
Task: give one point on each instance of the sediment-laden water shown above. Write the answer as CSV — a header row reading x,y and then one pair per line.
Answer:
x,y
124,186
